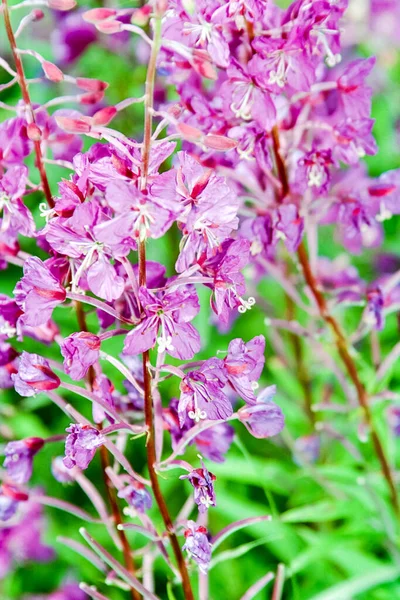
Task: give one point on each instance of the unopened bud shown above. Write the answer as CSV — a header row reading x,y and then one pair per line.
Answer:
x,y
33,132
91,85
104,116
190,133
141,15
37,14
62,4
219,142
73,125
109,27
91,98
52,72
202,64
98,14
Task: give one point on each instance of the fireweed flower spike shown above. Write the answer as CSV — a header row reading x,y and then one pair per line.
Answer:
x,y
231,186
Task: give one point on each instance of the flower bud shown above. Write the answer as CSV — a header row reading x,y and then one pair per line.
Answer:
x,y
37,14
109,27
141,16
219,142
62,4
91,98
91,85
190,133
52,72
98,14
33,132
73,125
104,116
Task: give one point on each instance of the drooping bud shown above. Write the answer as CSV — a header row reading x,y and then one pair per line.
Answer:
x,y
91,85
73,125
91,98
52,72
219,142
190,133
104,116
109,27
98,14
141,16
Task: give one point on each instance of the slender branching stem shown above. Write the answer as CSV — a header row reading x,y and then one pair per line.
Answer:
x,y
27,100
148,400
340,340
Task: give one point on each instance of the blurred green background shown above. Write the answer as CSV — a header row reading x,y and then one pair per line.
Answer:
x,y
333,528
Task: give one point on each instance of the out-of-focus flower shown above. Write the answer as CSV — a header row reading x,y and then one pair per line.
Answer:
x,y
81,445
19,458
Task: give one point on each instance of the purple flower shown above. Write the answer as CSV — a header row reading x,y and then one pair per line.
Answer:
x,y
19,458
202,395
289,226
169,317
375,305
80,238
80,351
68,591
354,94
10,497
60,471
263,419
71,37
16,215
244,97
307,449
313,172
202,481
136,496
228,285
34,375
81,445
14,142
209,214
393,416
197,545
244,364
214,442
38,292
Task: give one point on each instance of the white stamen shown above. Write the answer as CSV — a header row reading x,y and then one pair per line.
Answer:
x,y
197,415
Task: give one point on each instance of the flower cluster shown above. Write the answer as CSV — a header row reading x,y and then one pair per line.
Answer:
x,y
261,148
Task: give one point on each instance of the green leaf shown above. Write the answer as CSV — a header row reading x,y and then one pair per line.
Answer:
x,y
317,513
356,585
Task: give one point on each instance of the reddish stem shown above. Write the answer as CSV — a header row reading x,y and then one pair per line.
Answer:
x,y
340,339
105,462
26,98
148,400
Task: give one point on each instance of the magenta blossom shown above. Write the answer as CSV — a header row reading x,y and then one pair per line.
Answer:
x,y
197,545
38,292
203,483
244,364
19,458
136,496
34,375
202,395
263,419
81,445
166,322
80,351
